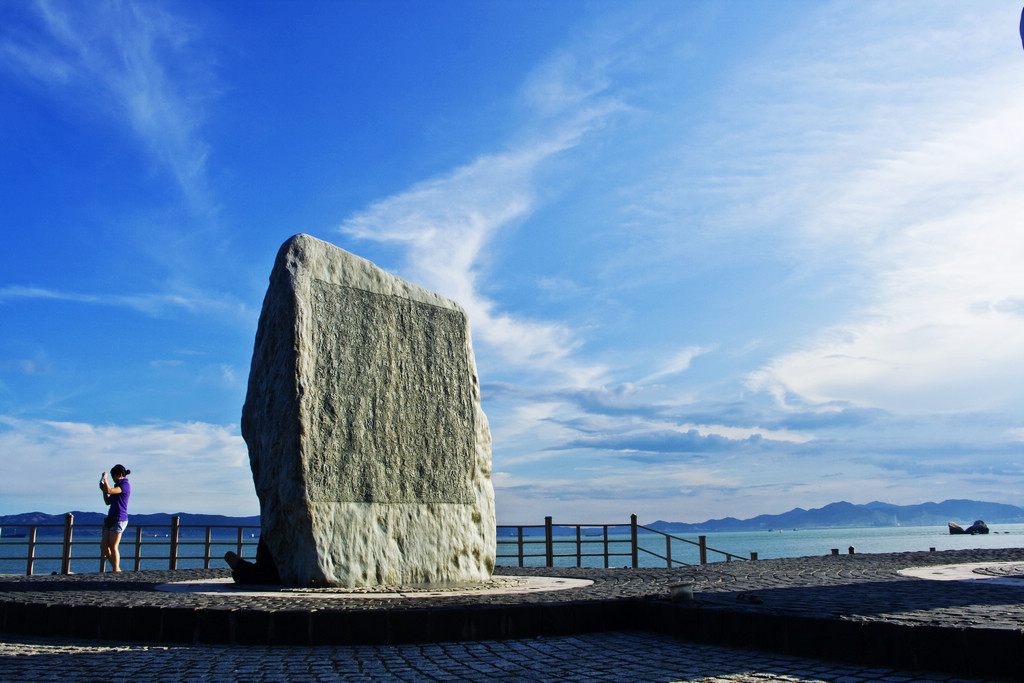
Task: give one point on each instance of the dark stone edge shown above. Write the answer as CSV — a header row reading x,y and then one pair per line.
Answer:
x,y
977,652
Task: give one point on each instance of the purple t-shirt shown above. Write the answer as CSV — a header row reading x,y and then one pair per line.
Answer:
x,y
119,501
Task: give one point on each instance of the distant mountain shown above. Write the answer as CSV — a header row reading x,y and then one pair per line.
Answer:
x,y
846,515
833,515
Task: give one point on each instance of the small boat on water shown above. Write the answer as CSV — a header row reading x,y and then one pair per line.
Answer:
x,y
979,527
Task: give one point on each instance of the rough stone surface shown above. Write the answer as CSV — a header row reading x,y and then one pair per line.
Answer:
x,y
369,449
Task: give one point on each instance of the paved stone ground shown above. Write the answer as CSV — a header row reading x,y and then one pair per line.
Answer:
x,y
863,587
769,595
868,588
617,656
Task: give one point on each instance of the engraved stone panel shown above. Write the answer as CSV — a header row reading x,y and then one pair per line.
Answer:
x,y
397,409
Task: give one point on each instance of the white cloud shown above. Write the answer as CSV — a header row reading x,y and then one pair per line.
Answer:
x,y
54,467
679,362
742,433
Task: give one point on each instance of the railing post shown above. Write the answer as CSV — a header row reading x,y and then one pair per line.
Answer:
x,y
31,550
173,561
633,540
206,552
549,543
138,547
605,546
520,543
65,556
239,549
668,551
703,549
753,555
579,546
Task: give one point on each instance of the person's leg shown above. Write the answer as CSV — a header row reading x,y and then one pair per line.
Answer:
x,y
115,553
104,548
242,571
231,558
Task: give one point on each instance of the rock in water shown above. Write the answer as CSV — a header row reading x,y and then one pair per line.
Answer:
x,y
369,449
979,527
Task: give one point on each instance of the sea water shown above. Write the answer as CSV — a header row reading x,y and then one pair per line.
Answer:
x,y
808,542
589,552
767,544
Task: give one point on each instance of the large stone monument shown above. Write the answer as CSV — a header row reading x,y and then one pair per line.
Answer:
x,y
369,450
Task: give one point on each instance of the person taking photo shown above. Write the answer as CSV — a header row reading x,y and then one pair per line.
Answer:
x,y
116,496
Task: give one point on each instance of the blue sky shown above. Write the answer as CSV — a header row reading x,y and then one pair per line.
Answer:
x,y
720,258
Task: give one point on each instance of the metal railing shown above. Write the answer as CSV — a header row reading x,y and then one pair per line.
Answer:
x,y
168,546
594,541
177,539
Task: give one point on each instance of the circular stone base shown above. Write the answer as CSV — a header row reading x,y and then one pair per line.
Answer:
x,y
993,573
498,585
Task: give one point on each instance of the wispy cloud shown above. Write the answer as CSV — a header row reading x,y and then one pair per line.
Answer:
x,y
116,58
446,223
927,223
27,366
678,362
151,304
873,152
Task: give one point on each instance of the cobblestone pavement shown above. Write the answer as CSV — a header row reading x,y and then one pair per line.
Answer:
x,y
617,656
863,587
869,588
851,589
